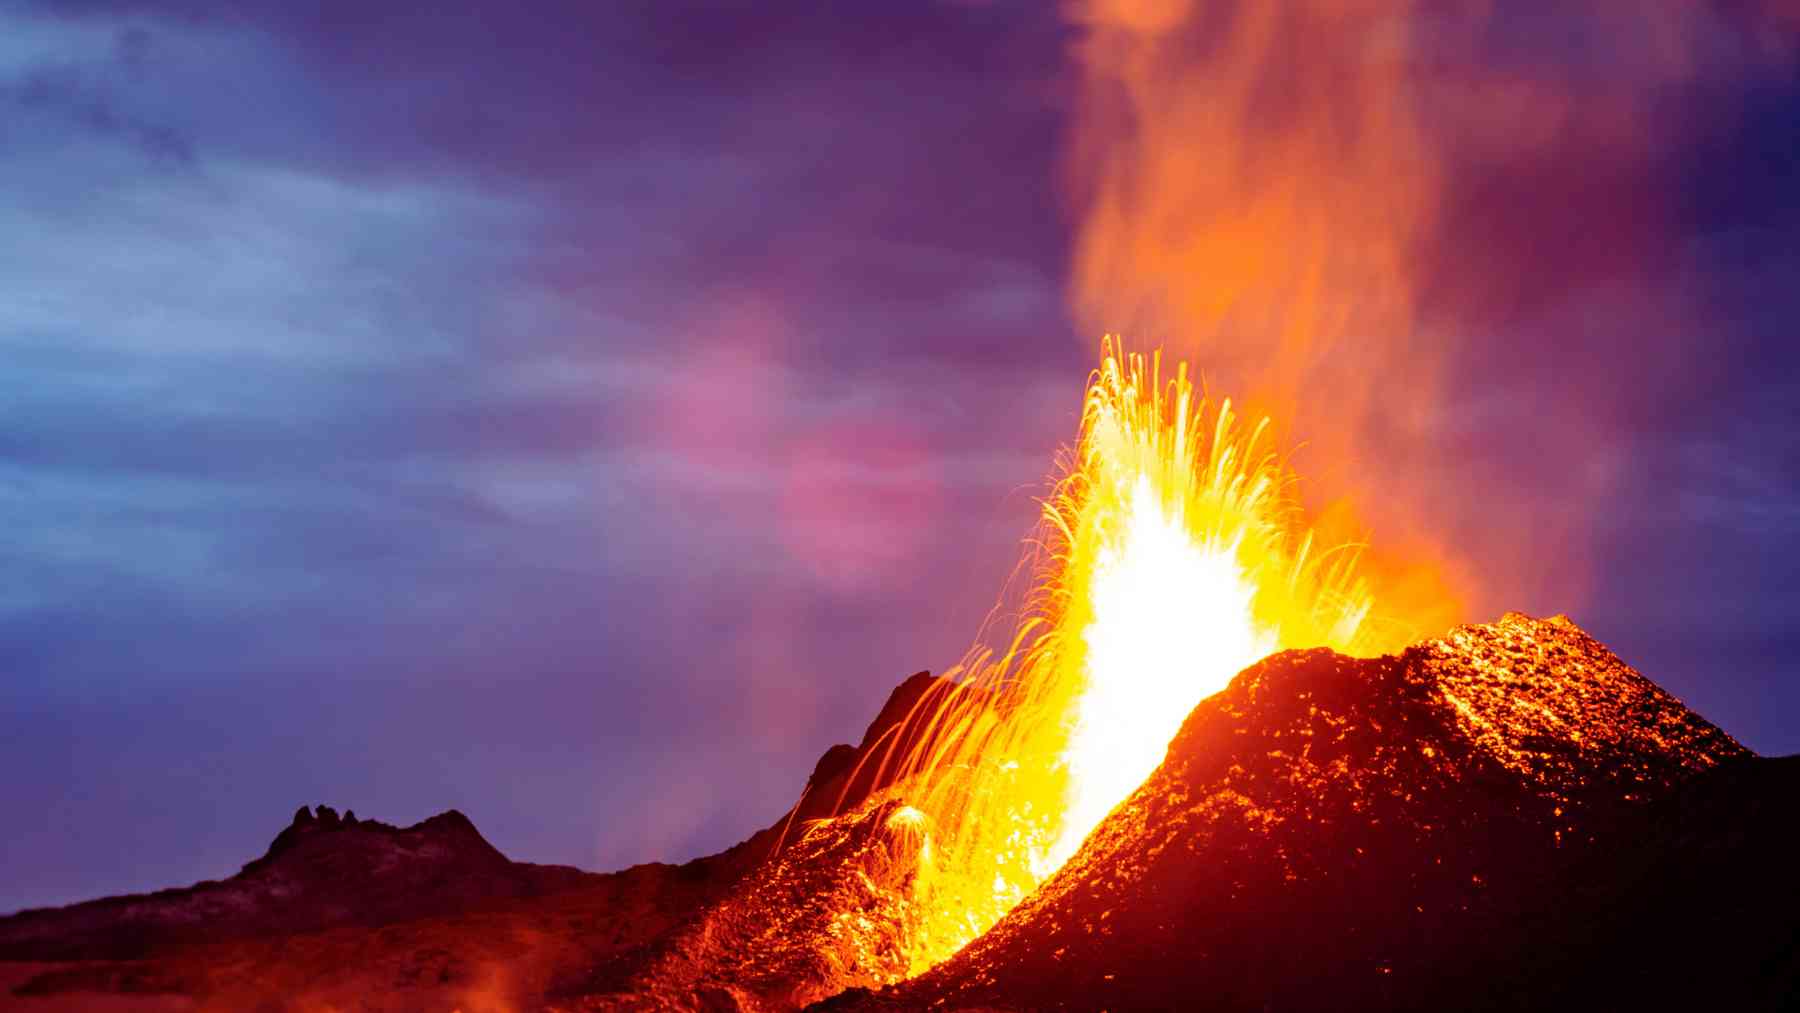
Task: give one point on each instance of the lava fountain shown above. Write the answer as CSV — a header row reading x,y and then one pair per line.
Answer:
x,y
1267,182
1171,553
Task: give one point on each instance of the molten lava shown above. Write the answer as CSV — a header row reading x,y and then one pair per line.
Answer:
x,y
1172,553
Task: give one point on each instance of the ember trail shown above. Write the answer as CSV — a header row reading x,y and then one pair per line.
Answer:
x,y
1171,553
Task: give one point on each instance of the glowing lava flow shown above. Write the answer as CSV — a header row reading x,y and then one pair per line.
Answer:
x,y
1171,555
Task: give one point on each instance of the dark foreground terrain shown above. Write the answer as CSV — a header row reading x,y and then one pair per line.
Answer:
x,y
1507,817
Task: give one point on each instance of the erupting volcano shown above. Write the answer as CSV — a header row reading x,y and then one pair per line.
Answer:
x,y
1172,553
1200,752
1176,588
1247,728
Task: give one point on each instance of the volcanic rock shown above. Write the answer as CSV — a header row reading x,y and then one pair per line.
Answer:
x,y
843,891
1507,817
847,775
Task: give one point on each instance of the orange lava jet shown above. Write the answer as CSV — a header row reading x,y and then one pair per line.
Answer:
x,y
1171,554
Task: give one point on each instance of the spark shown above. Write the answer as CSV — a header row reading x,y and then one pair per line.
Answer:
x,y
1171,553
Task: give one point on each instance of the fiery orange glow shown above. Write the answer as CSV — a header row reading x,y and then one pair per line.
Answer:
x,y
1171,554
1267,183
1259,185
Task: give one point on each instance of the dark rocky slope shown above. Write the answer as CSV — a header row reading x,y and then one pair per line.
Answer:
x,y
348,913
322,871
1509,817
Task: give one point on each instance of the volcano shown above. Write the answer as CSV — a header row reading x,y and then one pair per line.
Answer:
x,y
1504,817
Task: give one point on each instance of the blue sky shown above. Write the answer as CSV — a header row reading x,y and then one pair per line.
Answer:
x,y
583,417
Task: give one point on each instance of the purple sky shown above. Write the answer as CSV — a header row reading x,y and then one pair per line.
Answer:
x,y
583,418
